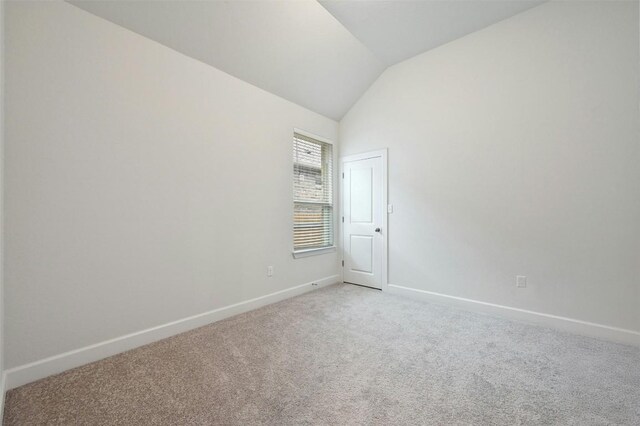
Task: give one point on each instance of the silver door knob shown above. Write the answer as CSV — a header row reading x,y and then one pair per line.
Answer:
x,y
377,229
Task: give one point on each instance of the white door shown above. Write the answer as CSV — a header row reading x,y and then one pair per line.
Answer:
x,y
364,218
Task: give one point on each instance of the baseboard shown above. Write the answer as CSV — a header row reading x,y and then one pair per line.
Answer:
x,y
3,381
31,372
585,328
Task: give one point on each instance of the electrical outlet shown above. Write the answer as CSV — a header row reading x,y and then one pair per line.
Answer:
x,y
521,281
269,271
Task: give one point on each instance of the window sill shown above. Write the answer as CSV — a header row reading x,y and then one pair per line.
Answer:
x,y
297,254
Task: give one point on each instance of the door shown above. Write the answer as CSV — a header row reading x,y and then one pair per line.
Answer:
x,y
363,200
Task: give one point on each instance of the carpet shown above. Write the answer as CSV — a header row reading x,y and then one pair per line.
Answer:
x,y
347,355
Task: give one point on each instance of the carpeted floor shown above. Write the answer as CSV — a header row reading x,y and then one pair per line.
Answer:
x,y
348,355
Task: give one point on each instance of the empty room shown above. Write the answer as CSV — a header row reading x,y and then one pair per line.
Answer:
x,y
320,212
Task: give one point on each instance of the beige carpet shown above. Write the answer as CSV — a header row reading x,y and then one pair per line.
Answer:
x,y
348,355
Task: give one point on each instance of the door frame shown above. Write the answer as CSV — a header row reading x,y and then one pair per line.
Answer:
x,y
385,212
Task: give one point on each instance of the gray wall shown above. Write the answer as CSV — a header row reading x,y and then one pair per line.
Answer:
x,y
515,151
142,186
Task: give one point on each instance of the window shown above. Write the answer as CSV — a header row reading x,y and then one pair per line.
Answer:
x,y
312,193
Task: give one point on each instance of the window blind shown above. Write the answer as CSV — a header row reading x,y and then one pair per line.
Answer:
x,y
312,193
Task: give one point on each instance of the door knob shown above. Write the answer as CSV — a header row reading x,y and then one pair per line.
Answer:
x,y
377,229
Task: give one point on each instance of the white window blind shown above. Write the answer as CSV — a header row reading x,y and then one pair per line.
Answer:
x,y
312,193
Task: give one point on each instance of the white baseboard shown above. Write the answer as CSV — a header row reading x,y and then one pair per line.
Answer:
x,y
585,328
27,373
3,381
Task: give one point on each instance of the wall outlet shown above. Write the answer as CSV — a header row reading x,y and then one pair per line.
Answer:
x,y
521,281
269,271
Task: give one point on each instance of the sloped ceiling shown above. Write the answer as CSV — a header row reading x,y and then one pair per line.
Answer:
x,y
294,49
398,30
322,58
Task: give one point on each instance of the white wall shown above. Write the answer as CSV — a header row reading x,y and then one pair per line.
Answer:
x,y
142,186
2,130
515,151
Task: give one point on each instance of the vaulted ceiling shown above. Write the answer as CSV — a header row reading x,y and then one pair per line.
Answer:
x,y
322,56
397,30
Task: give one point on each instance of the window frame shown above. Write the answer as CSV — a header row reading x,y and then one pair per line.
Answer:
x,y
306,252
